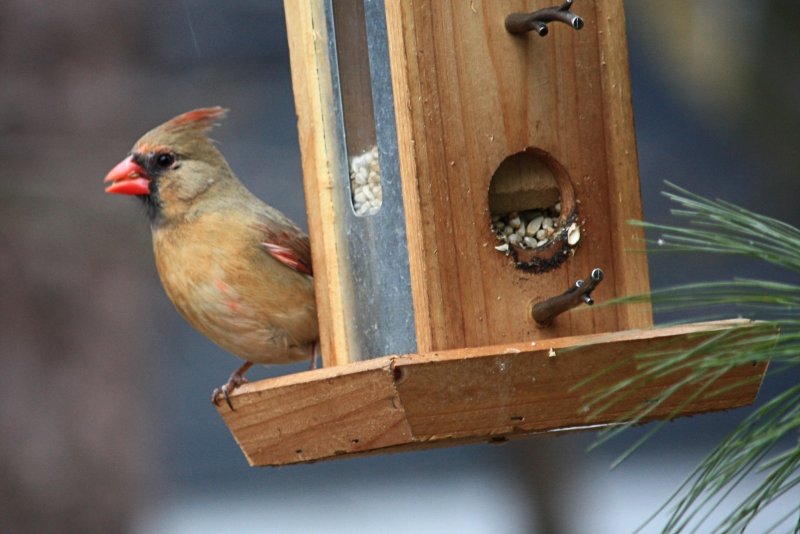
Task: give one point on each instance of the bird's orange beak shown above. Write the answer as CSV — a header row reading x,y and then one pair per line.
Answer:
x,y
128,178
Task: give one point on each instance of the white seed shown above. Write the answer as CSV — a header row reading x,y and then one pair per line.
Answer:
x,y
502,248
532,228
534,225
573,234
365,182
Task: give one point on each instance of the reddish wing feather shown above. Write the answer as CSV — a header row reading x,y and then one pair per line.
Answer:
x,y
290,247
287,257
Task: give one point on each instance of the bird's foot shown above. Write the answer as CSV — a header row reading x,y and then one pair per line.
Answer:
x,y
223,392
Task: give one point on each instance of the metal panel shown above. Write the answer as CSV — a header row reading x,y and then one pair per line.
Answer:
x,y
382,321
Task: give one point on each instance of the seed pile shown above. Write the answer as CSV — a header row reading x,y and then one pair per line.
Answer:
x,y
365,183
531,229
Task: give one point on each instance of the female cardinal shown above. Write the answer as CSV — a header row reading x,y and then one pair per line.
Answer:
x,y
237,269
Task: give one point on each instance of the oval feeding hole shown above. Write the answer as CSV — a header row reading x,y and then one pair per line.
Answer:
x,y
532,208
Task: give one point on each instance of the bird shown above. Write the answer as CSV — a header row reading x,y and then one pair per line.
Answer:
x,y
237,269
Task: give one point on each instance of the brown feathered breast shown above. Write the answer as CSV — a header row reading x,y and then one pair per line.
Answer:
x,y
221,278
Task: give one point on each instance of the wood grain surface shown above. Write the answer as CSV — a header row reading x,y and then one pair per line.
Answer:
x,y
467,96
468,395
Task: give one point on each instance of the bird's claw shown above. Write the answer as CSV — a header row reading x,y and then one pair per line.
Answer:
x,y
226,389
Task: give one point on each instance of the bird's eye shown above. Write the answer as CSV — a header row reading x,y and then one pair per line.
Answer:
x,y
165,160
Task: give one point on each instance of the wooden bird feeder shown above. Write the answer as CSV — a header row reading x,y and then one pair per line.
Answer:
x,y
470,168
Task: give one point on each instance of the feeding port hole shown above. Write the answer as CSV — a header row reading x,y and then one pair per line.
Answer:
x,y
533,211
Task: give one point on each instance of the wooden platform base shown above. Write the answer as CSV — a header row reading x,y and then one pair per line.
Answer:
x,y
458,396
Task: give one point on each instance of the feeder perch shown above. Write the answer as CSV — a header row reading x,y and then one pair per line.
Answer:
x,y
462,179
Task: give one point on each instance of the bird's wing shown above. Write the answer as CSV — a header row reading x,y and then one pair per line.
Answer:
x,y
285,242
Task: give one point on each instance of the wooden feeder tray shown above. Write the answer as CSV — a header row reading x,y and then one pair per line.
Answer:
x,y
468,395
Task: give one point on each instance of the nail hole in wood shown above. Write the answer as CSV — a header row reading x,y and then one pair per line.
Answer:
x,y
399,374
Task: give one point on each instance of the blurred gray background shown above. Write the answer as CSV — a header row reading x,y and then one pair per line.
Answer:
x,y
105,424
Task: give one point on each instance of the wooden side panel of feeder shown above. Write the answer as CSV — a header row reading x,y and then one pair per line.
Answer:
x,y
316,125
468,95
467,395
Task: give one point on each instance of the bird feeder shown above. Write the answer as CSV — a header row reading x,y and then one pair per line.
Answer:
x,y
469,170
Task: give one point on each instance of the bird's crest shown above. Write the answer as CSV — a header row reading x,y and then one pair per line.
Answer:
x,y
198,120
185,133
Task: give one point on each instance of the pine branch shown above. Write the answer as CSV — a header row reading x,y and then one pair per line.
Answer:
x,y
765,444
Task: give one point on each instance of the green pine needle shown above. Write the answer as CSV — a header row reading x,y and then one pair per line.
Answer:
x,y
764,445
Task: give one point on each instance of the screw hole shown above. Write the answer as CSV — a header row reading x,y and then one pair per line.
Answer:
x,y
399,374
